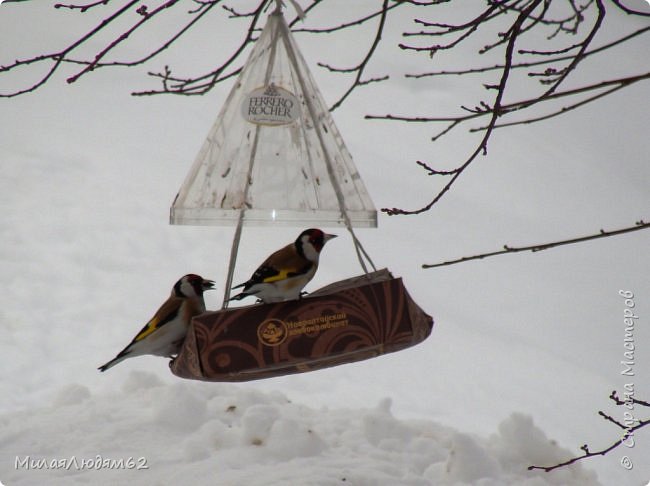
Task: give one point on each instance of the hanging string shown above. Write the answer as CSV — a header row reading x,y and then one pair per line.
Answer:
x,y
234,249
240,222
361,252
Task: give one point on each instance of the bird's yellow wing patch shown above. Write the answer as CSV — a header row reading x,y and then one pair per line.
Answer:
x,y
150,327
281,275
167,312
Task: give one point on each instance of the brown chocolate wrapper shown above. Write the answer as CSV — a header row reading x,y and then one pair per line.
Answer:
x,y
351,320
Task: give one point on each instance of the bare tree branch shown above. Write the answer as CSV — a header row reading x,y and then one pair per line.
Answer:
x,y
506,26
201,11
617,85
588,453
516,105
484,110
202,84
359,68
629,432
614,396
495,111
59,56
146,16
353,23
639,225
552,77
630,10
521,65
82,8
235,14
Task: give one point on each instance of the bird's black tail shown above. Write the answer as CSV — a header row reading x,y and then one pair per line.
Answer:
x,y
120,357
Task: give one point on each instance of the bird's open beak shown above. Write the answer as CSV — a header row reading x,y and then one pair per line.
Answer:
x,y
208,284
327,237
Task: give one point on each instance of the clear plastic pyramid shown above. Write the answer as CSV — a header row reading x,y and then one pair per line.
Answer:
x,y
274,155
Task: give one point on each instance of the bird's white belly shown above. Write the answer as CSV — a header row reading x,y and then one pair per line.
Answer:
x,y
165,341
287,289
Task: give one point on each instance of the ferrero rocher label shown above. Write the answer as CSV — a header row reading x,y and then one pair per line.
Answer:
x,y
270,105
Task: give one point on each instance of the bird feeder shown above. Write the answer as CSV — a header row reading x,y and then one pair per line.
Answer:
x,y
275,157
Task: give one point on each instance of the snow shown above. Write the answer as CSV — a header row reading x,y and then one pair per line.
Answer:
x,y
525,349
187,432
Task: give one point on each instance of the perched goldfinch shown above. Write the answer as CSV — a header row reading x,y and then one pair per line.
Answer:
x,y
164,333
285,273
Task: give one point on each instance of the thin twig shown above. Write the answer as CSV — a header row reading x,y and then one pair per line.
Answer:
x,y
532,63
561,111
202,84
58,57
146,16
360,68
199,15
639,225
516,105
81,8
636,401
353,23
495,112
629,10
611,419
588,453
629,432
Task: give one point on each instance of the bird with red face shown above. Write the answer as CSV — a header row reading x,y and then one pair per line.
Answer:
x,y
285,273
166,330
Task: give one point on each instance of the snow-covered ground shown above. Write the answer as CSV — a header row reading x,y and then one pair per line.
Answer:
x,y
195,433
525,350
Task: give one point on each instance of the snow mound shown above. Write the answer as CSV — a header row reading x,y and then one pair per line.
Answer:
x,y
154,433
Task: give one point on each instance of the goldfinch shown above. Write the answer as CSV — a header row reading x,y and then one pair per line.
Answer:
x,y
164,333
285,273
